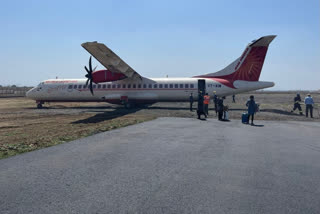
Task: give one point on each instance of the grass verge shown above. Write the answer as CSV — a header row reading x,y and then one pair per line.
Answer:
x,y
32,133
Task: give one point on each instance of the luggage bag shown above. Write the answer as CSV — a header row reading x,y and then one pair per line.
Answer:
x,y
244,117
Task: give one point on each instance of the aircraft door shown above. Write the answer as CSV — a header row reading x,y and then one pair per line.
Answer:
x,y
202,87
201,93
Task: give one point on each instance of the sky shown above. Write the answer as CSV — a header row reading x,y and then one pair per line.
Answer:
x,y
42,39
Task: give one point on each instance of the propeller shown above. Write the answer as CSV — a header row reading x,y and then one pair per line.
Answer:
x,y
89,75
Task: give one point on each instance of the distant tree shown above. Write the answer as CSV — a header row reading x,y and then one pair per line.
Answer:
x,y
13,86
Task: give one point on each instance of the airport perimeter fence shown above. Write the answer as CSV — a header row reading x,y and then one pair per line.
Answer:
x,y
14,91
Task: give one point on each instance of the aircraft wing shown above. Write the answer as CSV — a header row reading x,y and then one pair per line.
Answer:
x,y
109,59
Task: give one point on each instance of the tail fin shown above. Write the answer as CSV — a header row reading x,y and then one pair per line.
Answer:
x,y
249,65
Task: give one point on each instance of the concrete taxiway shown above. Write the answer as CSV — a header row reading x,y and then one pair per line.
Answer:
x,y
171,165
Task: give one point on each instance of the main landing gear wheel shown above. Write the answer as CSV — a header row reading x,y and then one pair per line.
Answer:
x,y
129,105
39,104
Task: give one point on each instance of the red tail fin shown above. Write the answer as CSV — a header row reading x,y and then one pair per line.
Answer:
x,y
247,67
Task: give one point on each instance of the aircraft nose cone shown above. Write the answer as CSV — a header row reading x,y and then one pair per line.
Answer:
x,y
30,93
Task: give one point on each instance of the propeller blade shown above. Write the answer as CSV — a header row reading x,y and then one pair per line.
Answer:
x,y
87,69
91,89
89,75
90,65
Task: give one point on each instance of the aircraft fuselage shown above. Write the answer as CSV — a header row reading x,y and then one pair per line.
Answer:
x,y
138,91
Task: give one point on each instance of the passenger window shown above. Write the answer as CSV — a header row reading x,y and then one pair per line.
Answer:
x,y
176,86
113,85
155,86
160,85
99,86
104,86
118,86
171,85
94,86
133,85
79,86
165,85
181,85
109,85
84,86
186,85
129,85
144,85
191,86
123,85
75,86
70,87
150,85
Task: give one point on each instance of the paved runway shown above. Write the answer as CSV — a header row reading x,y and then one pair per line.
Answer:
x,y
171,165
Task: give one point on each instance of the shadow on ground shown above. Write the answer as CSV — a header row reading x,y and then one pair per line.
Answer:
x,y
107,115
73,107
168,108
277,111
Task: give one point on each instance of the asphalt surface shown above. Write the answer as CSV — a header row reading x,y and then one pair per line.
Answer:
x,y
171,165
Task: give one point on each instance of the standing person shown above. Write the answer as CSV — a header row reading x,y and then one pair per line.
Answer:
x,y
215,101
233,98
296,104
251,104
220,107
206,100
309,105
191,101
200,105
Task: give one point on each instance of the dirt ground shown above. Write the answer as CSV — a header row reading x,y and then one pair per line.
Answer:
x,y
25,128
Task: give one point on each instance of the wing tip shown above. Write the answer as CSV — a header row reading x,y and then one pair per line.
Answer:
x,y
87,43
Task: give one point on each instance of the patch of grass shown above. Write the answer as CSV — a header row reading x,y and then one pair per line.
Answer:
x,y
34,132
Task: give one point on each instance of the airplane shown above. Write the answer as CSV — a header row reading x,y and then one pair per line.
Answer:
x,y
121,84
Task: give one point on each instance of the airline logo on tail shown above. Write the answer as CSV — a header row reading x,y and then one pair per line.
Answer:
x,y
247,67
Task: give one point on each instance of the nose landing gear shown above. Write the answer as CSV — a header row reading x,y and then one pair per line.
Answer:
x,y
39,104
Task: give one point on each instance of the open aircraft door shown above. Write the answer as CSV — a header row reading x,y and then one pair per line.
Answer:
x,y
202,87
201,93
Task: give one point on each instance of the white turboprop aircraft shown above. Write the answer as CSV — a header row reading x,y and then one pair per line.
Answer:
x,y
120,84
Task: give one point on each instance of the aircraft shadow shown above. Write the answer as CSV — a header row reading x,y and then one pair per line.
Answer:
x,y
167,108
74,107
106,115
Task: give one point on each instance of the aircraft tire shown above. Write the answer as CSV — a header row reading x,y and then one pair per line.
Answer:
x,y
129,105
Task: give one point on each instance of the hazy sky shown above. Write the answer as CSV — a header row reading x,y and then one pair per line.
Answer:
x,y
42,39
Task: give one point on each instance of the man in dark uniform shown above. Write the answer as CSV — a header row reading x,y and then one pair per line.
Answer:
x,y
191,101
296,105
233,98
215,100
200,109
220,107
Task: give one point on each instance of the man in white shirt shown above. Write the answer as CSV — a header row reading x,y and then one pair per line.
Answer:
x,y
309,105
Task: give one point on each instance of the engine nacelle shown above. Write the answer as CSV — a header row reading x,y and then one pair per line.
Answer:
x,y
106,76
